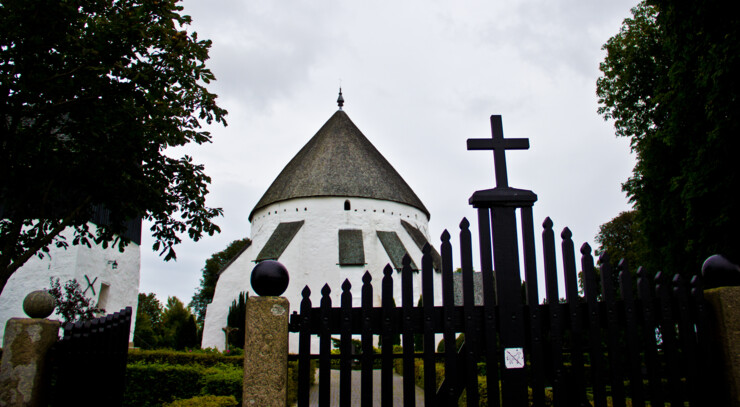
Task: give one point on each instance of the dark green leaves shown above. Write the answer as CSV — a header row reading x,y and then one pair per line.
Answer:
x,y
91,95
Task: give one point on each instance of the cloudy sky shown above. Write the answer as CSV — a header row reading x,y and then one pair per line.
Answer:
x,y
419,78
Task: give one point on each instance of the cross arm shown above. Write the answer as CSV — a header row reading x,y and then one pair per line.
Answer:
x,y
490,144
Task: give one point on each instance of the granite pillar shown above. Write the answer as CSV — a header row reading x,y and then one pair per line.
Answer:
x,y
266,352
23,369
724,306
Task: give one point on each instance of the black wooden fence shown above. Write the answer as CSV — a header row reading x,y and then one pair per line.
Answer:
x,y
620,341
90,361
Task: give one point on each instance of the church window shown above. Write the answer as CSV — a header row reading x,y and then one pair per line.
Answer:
x,y
346,205
351,249
279,240
103,297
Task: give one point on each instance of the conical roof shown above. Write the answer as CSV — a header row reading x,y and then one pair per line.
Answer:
x,y
339,161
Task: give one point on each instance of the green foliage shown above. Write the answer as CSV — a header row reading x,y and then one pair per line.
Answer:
x,y
236,319
204,295
72,304
147,332
93,93
621,238
205,401
223,382
172,357
187,375
150,385
670,83
178,333
188,335
157,327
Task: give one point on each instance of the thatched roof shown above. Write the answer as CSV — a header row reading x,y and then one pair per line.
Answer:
x,y
339,161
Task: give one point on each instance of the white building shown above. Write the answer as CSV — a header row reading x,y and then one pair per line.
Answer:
x,y
337,209
107,276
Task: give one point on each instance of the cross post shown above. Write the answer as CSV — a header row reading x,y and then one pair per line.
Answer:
x,y
499,145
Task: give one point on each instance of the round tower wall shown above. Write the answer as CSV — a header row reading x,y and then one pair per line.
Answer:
x,y
312,256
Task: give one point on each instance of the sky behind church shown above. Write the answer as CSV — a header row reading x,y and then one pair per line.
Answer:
x,y
418,78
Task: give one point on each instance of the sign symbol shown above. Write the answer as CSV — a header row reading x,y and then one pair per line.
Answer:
x,y
90,285
514,358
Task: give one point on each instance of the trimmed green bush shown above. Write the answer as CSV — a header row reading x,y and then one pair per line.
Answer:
x,y
223,381
173,357
151,385
205,401
151,381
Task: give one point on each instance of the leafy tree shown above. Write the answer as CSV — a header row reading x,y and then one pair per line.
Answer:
x,y
204,295
174,318
236,319
71,303
187,335
148,328
92,93
621,237
670,83
157,326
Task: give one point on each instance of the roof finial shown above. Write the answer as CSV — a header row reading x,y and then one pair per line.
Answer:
x,y
340,99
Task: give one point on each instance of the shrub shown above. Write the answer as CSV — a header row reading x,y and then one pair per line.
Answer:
x,y
205,358
190,374
172,382
222,380
205,401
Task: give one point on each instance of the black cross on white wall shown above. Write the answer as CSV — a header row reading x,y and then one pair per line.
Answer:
x,y
90,285
499,145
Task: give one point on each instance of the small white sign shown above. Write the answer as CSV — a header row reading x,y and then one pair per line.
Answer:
x,y
514,358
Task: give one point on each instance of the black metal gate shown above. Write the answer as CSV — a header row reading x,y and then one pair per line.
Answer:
x,y
90,361
617,342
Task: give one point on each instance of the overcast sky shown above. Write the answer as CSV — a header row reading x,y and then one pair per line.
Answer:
x,y
419,78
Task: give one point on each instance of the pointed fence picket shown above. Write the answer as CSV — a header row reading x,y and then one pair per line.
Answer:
x,y
620,341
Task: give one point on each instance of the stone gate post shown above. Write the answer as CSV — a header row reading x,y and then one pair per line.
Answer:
x,y
266,338
722,294
23,369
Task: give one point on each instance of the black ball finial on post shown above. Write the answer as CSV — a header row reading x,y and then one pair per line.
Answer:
x,y
269,278
718,271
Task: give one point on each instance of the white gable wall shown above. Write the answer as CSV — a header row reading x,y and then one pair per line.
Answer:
x,y
312,257
76,262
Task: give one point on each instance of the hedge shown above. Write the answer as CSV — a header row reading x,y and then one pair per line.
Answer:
x,y
205,401
150,383
173,357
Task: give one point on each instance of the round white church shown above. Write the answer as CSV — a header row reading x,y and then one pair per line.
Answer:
x,y
337,209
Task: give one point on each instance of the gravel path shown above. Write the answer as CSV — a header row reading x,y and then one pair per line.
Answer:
x,y
334,398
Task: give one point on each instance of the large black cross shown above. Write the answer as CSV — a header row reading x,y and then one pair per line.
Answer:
x,y
499,145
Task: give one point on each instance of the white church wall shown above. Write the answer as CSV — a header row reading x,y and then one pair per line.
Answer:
x,y
76,262
232,281
312,257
